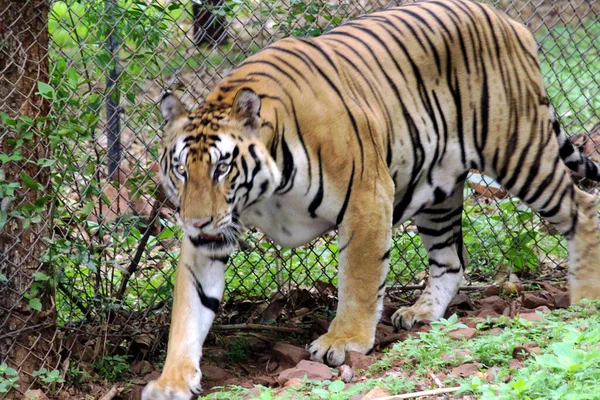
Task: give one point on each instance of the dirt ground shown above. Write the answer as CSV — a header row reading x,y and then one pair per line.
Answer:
x,y
265,351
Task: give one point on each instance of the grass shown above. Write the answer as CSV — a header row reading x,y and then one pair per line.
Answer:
x,y
566,367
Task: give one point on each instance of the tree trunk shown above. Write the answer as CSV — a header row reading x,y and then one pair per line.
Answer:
x,y
209,28
27,336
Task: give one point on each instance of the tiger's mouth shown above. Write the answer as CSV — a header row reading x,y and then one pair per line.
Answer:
x,y
214,243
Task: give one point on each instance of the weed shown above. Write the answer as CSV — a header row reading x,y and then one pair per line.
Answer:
x,y
112,367
239,351
8,378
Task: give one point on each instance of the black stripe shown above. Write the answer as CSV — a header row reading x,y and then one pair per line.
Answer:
x,y
340,216
223,259
209,302
312,208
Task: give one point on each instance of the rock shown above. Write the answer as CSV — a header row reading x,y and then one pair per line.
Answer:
x,y
491,374
515,364
562,300
464,333
357,360
214,373
530,316
34,395
309,369
376,393
288,354
550,288
496,303
521,353
346,373
264,380
490,291
465,370
531,301
152,376
461,301
293,382
485,313
495,331
542,309
142,367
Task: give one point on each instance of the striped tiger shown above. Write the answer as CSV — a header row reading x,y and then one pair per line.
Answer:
x,y
371,124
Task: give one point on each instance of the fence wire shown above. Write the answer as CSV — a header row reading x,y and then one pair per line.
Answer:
x,y
102,280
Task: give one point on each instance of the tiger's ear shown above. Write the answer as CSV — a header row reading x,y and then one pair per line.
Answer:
x,y
171,107
246,108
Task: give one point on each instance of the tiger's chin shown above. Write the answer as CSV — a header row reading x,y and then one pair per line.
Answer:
x,y
214,245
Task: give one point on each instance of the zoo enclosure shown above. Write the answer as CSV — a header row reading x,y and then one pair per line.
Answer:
x,y
105,271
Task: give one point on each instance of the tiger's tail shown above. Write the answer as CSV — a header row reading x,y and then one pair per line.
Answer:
x,y
575,160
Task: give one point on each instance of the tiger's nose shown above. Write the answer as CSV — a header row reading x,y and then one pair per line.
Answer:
x,y
201,222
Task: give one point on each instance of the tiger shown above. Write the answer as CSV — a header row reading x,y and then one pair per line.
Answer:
x,y
371,124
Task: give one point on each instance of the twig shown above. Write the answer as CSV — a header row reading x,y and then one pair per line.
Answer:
x,y
419,287
421,394
139,251
111,393
435,378
256,327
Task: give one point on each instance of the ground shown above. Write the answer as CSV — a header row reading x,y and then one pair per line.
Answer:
x,y
484,344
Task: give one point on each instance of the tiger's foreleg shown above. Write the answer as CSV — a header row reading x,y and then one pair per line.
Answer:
x,y
440,229
199,284
364,244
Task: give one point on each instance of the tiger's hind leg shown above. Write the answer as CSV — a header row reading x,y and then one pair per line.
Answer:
x,y
545,184
441,232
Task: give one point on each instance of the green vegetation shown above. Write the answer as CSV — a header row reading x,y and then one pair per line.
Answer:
x,y
567,365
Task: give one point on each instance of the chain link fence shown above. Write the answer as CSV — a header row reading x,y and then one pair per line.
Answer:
x,y
79,179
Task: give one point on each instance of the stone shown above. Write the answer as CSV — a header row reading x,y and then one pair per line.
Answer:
x,y
463,333
345,373
562,300
462,302
495,331
490,291
531,316
309,369
142,367
485,313
376,393
491,374
214,373
496,303
357,360
532,301
264,380
515,364
522,353
288,354
465,370
35,395
152,376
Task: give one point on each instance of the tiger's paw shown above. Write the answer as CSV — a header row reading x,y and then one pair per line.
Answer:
x,y
407,317
165,388
331,349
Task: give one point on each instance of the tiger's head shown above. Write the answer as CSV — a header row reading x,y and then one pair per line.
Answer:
x,y
213,167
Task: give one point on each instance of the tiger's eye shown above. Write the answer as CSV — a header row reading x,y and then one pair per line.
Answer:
x,y
222,168
181,169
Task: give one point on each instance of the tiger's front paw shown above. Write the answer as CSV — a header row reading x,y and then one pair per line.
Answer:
x,y
407,317
165,388
331,348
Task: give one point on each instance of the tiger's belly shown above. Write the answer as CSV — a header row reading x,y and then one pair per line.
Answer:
x,y
286,221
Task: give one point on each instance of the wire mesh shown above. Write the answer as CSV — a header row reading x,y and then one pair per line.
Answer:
x,y
109,245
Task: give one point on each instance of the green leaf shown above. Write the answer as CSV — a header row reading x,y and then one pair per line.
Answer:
x,y
7,120
40,276
45,90
36,304
336,386
29,182
3,218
